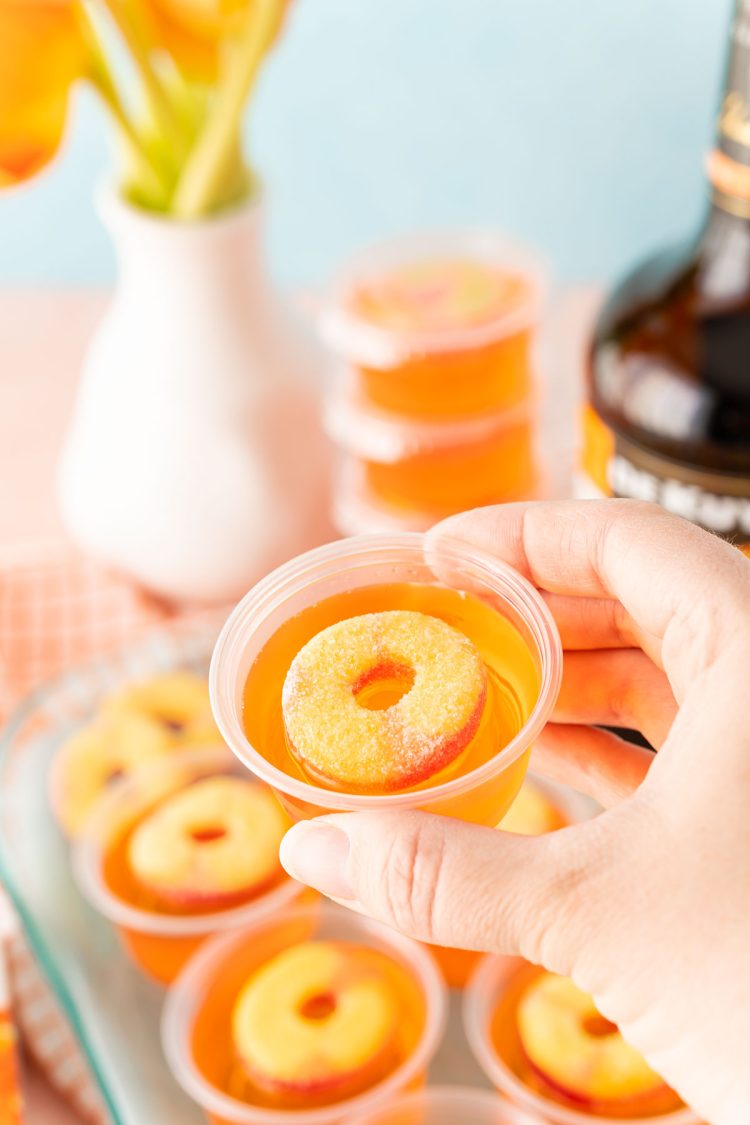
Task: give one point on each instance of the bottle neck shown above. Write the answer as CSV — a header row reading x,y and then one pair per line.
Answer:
x,y
728,164
724,257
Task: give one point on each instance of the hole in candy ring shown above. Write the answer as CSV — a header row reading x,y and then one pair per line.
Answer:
x,y
318,1007
383,686
174,725
208,833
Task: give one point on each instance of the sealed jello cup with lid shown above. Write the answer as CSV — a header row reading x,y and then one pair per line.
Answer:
x,y
186,848
435,468
356,510
305,1018
544,1046
438,325
393,671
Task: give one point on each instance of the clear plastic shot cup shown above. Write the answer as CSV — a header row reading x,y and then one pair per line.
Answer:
x,y
357,509
446,1105
428,366
197,1018
516,634
161,943
434,469
492,981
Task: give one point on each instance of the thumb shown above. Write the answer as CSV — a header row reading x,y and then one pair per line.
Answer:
x,y
444,881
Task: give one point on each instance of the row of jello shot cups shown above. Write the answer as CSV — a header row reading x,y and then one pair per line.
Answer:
x,y
433,410
206,957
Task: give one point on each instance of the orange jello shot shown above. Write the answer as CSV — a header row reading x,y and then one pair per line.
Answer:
x,y
438,325
304,1018
537,809
185,849
544,1045
430,470
388,672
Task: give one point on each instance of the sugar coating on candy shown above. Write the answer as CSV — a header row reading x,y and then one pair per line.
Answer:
x,y
427,728
213,840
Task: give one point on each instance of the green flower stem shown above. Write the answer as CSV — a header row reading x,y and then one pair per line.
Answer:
x,y
101,78
158,100
214,167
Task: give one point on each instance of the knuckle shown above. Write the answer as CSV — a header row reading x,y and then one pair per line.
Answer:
x,y
625,700
693,639
622,623
411,878
639,691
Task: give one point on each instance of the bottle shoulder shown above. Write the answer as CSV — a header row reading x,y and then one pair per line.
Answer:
x,y
670,360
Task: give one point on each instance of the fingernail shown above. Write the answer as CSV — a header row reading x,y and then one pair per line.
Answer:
x,y
317,855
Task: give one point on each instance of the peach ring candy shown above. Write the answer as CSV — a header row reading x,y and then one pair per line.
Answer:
x,y
438,294
111,747
211,844
178,701
383,701
316,1017
576,1050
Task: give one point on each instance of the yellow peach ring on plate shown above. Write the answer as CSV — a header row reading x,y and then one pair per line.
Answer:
x,y
214,843
178,701
112,747
317,1018
383,701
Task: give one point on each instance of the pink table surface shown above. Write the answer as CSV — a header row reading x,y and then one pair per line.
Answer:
x,y
43,336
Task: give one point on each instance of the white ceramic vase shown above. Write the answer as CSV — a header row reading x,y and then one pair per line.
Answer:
x,y
195,459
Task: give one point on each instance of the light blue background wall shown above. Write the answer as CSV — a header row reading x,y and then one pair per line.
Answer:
x,y
578,124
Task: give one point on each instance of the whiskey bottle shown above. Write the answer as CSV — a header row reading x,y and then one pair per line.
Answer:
x,y
667,417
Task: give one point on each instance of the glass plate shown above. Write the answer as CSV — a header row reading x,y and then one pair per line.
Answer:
x,y
111,1008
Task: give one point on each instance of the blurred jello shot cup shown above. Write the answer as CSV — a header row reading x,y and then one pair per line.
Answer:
x,y
544,1046
437,325
185,849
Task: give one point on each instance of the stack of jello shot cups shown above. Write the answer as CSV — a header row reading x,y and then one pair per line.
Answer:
x,y
433,408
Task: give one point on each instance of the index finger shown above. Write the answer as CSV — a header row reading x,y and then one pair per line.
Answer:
x,y
686,587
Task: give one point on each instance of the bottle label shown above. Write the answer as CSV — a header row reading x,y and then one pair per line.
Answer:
x,y
612,466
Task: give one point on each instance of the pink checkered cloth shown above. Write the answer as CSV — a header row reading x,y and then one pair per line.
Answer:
x,y
57,610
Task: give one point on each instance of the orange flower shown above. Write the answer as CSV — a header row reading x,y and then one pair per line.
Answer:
x,y
192,31
42,52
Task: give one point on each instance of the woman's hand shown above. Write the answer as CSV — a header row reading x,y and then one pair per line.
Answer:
x,y
647,906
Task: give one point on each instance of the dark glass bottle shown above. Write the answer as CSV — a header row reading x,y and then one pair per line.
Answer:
x,y
668,412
